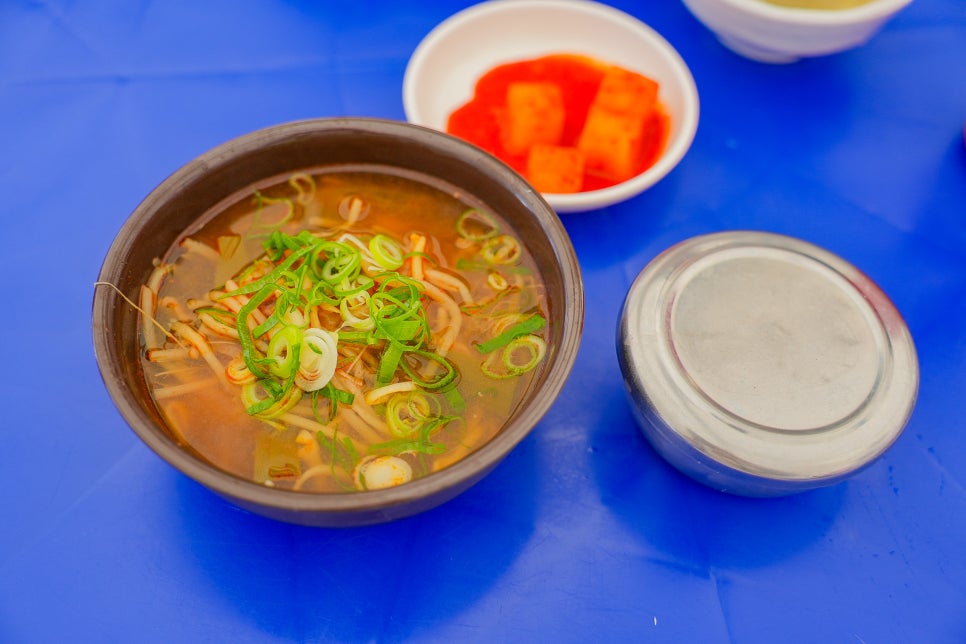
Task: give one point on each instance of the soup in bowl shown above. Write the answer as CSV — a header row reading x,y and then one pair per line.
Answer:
x,y
338,321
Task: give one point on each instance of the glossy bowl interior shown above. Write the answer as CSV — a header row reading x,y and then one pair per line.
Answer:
x,y
172,207
778,34
444,68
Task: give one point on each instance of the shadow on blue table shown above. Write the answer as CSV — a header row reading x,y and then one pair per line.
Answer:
x,y
685,524
364,583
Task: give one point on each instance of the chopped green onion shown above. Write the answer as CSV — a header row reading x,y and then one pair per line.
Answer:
x,y
407,412
447,378
533,346
268,407
455,399
341,453
464,264
271,278
386,252
421,444
335,397
479,307
503,249
261,200
530,325
245,334
476,225
318,359
388,363
357,314
356,285
270,322
222,315
496,281
283,350
304,185
341,267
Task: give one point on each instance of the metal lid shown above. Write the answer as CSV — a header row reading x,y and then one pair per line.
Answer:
x,y
761,364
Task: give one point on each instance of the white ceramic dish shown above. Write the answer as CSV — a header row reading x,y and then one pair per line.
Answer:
x,y
444,68
777,34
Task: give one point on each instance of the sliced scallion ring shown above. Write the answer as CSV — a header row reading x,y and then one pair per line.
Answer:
x,y
386,252
317,360
502,249
283,350
266,406
476,225
506,363
406,413
340,267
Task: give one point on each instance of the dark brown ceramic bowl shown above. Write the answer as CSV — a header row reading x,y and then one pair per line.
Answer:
x,y
174,206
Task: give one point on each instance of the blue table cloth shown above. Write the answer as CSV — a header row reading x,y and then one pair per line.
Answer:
x,y
583,533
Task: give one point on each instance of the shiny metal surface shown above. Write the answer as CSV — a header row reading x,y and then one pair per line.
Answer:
x,y
760,364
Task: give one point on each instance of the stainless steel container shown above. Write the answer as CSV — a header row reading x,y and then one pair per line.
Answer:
x,y
763,365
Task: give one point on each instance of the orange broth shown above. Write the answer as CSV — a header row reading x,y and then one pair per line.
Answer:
x,y
318,445
579,77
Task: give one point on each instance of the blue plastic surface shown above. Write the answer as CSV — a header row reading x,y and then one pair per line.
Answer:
x,y
583,533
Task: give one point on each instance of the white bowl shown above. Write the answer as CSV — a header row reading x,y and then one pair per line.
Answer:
x,y
444,68
776,34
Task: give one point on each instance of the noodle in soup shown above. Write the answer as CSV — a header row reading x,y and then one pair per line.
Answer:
x,y
342,329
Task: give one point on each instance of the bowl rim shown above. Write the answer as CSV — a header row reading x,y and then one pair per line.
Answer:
x,y
870,11
463,473
676,147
